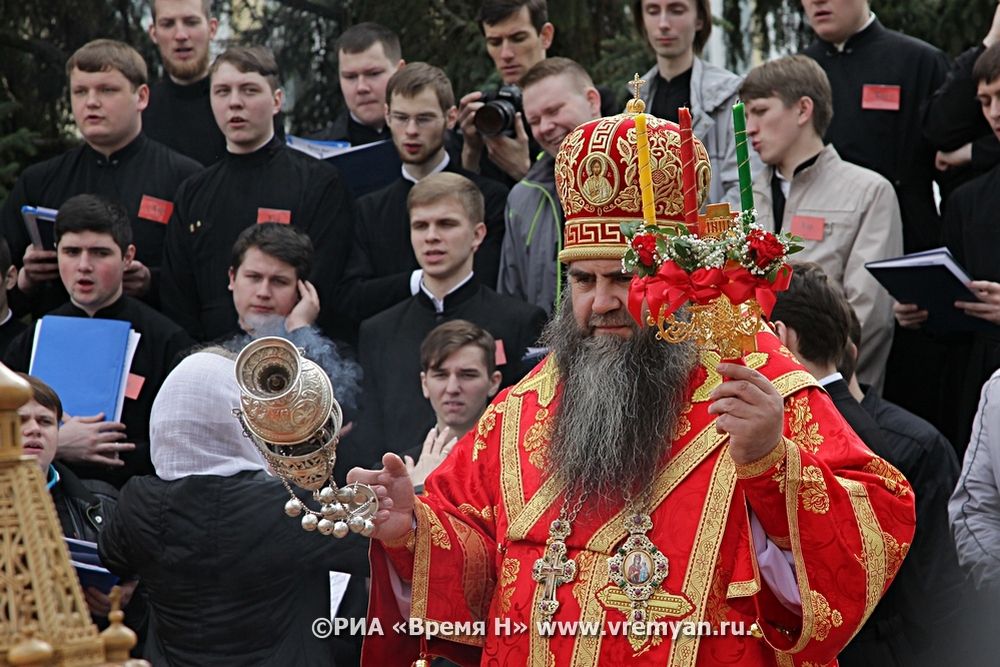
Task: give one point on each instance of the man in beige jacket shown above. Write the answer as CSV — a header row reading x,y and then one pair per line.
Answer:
x,y
844,214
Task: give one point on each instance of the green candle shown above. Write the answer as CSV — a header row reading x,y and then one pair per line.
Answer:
x,y
743,157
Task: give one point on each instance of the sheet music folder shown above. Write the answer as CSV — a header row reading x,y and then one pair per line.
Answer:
x,y
933,280
83,360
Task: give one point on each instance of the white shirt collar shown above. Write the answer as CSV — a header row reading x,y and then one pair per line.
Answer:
x,y
10,314
444,163
832,377
871,19
439,303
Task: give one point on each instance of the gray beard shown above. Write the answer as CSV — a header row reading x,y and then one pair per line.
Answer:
x,y
620,405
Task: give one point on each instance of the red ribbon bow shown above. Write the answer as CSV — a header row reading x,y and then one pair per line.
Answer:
x,y
671,287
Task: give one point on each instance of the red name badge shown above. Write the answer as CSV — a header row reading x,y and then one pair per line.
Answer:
x,y
809,227
274,215
501,355
880,98
157,210
134,385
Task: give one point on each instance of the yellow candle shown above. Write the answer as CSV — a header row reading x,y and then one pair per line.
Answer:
x,y
645,176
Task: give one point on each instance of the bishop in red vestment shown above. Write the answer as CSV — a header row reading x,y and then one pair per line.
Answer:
x,y
632,500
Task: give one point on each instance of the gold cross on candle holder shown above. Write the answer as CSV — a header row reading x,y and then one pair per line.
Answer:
x,y
636,84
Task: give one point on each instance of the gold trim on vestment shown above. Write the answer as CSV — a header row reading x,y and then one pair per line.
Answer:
x,y
793,481
511,483
874,555
421,561
544,384
705,553
587,649
677,469
763,464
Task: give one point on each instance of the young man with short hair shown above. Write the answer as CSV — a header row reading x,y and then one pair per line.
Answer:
x,y
459,376
94,247
559,96
272,295
82,505
368,54
179,114
108,92
269,278
259,180
382,271
446,229
677,31
846,215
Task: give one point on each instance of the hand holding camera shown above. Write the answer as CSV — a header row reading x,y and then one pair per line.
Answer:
x,y
494,119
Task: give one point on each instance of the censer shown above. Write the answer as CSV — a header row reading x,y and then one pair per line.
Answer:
x,y
289,412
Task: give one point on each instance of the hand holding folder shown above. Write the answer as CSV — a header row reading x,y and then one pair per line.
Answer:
x,y
933,281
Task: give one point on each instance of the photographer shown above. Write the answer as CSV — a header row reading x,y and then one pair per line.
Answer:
x,y
559,96
517,35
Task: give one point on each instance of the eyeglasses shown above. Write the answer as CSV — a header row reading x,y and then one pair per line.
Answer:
x,y
422,120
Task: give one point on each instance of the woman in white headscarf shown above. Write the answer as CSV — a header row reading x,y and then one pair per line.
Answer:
x,y
231,579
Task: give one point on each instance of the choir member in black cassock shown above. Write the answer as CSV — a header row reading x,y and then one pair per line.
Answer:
x,y
445,233
380,271
179,114
108,92
259,180
880,80
94,243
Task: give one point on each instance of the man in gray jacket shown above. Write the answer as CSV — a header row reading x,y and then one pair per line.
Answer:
x,y
677,31
559,95
845,215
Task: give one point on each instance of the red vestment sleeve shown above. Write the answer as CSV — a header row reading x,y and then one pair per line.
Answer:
x,y
458,537
846,515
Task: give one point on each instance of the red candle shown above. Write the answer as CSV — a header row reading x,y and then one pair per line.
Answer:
x,y
689,184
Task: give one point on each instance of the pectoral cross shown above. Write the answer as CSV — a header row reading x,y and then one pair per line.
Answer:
x,y
553,568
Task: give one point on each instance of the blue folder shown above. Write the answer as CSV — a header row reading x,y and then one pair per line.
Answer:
x,y
83,360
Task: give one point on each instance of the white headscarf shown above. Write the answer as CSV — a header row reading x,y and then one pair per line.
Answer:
x,y
192,430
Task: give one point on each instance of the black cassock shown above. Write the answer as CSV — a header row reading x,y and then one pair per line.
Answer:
x,y
181,117
395,414
273,184
382,258
890,142
143,176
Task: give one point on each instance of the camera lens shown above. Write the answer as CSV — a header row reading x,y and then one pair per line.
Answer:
x,y
495,117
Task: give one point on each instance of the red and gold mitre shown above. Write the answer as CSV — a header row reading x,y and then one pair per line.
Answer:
x,y
597,179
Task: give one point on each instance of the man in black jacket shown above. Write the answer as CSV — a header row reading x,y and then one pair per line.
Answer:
x,y
82,505
368,54
920,609
260,179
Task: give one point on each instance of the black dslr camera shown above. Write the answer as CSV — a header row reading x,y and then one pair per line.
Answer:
x,y
497,116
